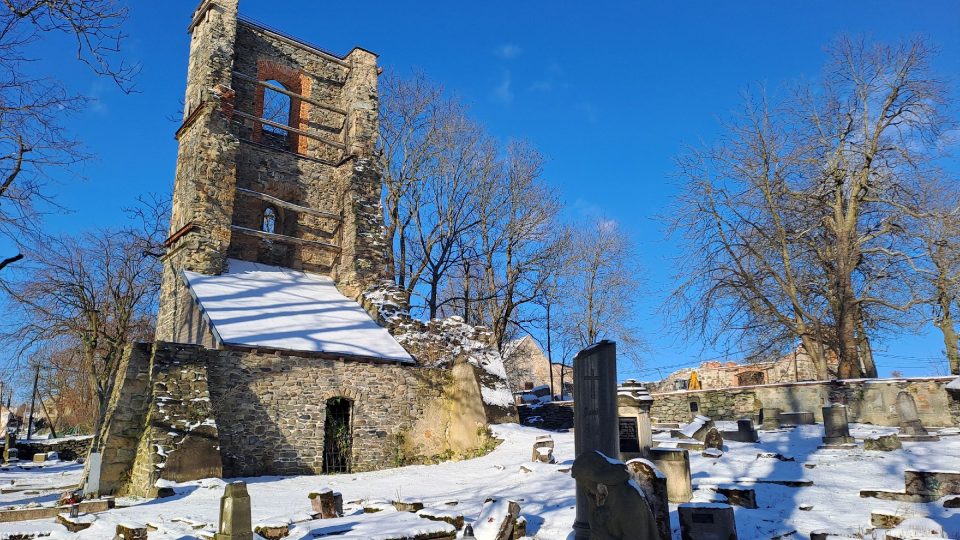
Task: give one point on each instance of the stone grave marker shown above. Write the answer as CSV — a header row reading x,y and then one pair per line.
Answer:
x,y
94,463
675,464
707,521
910,427
595,414
636,434
836,430
543,449
616,509
797,418
326,503
654,486
713,439
770,418
882,443
745,432
130,531
235,521
497,520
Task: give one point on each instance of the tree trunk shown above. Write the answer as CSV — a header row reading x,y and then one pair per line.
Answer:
x,y
849,366
815,351
866,352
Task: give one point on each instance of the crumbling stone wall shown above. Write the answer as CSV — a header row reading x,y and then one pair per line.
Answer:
x,y
795,366
67,448
868,400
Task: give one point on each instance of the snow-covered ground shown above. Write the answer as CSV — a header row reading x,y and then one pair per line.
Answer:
x,y
545,492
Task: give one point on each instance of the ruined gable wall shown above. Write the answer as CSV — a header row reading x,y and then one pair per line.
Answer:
x,y
868,401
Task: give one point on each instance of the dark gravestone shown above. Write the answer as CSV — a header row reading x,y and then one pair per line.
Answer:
x,y
629,436
616,509
707,521
595,415
836,431
745,432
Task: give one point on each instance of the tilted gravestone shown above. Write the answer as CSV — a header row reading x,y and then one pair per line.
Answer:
x,y
675,464
235,521
836,430
653,483
616,509
326,503
910,427
595,415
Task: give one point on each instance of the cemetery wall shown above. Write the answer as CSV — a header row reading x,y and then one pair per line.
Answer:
x,y
868,400
68,448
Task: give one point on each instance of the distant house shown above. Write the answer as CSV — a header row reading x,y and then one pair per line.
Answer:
x,y
793,367
526,366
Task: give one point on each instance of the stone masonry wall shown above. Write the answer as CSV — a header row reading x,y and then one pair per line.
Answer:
x,y
68,448
868,401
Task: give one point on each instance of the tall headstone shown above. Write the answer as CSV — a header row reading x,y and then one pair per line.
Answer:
x,y
636,433
595,414
675,464
94,464
235,520
909,416
836,430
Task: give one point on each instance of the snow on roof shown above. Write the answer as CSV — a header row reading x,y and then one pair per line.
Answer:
x,y
256,305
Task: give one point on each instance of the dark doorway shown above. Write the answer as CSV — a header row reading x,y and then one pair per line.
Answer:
x,y
337,436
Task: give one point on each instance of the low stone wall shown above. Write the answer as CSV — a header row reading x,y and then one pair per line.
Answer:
x,y
871,401
68,448
553,415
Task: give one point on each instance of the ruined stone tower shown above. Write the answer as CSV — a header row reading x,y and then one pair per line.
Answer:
x,y
275,162
273,354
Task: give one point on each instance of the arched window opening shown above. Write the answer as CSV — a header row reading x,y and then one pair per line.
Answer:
x,y
337,436
269,222
276,108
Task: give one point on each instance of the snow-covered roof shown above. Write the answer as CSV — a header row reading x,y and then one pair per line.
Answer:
x,y
256,305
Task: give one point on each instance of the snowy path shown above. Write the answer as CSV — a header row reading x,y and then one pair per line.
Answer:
x,y
546,494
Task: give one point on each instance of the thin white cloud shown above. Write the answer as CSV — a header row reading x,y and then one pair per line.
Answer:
x,y
503,92
541,86
507,51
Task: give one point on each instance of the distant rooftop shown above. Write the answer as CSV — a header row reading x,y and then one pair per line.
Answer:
x,y
260,306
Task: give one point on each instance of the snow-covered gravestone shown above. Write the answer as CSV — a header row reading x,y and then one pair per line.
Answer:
x,y
543,449
497,520
654,486
836,430
617,506
595,414
635,433
235,521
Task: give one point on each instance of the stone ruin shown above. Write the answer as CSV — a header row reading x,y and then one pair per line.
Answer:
x,y
282,347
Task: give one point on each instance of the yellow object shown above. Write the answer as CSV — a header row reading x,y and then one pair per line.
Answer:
x,y
694,383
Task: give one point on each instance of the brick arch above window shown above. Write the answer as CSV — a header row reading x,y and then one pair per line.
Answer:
x,y
293,80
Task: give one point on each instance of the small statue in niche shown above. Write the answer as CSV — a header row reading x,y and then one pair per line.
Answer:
x,y
618,509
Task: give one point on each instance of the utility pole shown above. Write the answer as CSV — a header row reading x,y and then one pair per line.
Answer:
x,y
33,399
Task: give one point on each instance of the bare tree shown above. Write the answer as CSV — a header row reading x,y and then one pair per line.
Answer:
x,y
795,224
97,290
600,285
32,108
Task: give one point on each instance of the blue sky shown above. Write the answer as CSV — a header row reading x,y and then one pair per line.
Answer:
x,y
610,92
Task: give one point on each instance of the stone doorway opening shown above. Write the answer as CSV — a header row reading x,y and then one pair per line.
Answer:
x,y
337,436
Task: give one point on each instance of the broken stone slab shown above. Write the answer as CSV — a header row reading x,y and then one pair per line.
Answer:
x,y
707,521
76,524
273,531
887,519
772,455
696,429
497,520
131,531
437,514
653,483
882,443
407,505
47,512
952,502
916,528
738,496
712,453
797,418
520,528
326,503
